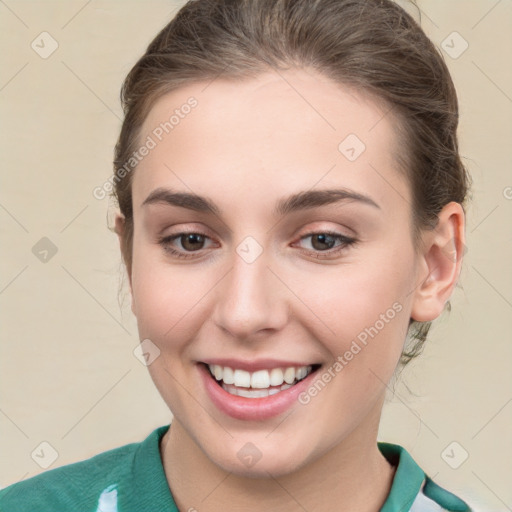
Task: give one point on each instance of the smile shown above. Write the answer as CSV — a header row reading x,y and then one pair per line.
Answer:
x,y
258,384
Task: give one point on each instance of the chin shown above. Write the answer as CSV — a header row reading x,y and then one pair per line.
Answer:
x,y
250,462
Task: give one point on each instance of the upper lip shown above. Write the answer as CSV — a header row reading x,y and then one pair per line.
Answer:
x,y
255,365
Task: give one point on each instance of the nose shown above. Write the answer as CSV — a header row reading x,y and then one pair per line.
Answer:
x,y
250,300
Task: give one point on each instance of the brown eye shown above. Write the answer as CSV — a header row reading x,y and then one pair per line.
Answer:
x,y
325,241
322,242
184,245
325,244
192,241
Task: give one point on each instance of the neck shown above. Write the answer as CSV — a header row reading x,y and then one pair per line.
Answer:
x,y
353,475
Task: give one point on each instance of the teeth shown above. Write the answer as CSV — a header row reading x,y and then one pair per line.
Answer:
x,y
217,371
226,374
242,379
289,375
260,379
265,381
276,377
254,393
301,373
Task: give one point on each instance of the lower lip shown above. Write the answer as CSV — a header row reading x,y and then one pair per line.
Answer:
x,y
255,409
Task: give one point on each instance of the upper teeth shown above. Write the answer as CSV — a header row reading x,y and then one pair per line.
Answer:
x,y
260,379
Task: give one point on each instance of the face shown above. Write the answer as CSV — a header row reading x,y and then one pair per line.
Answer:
x,y
288,266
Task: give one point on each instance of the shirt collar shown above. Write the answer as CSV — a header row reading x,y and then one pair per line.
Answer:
x,y
408,479
148,482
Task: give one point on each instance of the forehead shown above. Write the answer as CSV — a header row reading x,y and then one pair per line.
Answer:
x,y
289,128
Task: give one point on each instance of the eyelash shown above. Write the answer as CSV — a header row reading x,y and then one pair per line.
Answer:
x,y
346,242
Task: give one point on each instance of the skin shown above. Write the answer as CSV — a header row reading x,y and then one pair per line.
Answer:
x,y
245,146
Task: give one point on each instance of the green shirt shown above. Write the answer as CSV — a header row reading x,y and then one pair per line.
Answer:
x,y
131,478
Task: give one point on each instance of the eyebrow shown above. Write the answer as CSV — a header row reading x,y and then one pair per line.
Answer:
x,y
296,202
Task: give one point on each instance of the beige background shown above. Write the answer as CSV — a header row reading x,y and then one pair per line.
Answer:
x,y
68,373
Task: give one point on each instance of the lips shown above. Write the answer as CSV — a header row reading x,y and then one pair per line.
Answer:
x,y
255,392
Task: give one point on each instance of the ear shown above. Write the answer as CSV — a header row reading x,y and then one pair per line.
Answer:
x,y
119,228
440,263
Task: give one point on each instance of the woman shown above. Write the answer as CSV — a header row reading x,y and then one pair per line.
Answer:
x,y
291,219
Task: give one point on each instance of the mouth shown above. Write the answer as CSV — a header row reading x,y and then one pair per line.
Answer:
x,y
261,383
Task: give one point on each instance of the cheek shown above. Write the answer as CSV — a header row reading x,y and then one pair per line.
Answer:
x,y
166,299
367,302
364,319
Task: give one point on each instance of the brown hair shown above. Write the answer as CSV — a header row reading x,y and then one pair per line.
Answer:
x,y
372,45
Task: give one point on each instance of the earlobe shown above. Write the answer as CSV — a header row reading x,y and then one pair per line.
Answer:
x,y
119,223
119,228
440,265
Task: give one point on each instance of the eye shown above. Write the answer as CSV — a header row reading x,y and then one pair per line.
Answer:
x,y
327,243
322,244
190,242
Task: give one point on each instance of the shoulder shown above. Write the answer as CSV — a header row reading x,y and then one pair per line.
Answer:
x,y
77,485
